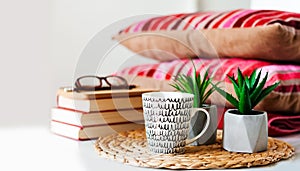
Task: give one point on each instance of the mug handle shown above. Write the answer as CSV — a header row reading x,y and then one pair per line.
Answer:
x,y
189,141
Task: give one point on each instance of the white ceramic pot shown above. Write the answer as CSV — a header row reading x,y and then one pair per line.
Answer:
x,y
245,133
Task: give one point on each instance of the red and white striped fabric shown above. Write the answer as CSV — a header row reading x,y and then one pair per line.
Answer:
x,y
286,97
289,75
209,20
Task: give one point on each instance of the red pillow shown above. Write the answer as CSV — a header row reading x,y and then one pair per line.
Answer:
x,y
205,20
254,34
285,98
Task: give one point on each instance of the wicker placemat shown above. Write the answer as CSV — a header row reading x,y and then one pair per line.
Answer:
x,y
130,148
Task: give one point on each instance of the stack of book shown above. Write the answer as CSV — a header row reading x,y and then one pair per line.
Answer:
x,y
88,115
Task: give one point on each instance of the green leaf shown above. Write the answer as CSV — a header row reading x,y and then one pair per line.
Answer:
x,y
195,84
247,82
204,90
190,82
252,79
227,96
203,86
245,103
195,70
186,83
182,84
257,79
176,86
197,79
256,92
240,78
235,86
265,92
207,94
210,90
197,94
232,78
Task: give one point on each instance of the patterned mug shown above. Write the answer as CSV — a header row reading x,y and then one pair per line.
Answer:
x,y
167,119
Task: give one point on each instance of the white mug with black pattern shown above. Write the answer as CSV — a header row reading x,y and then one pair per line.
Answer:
x,y
167,119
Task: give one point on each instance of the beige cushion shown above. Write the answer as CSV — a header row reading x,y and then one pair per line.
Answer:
x,y
273,42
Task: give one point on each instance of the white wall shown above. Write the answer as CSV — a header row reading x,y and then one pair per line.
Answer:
x,y
222,4
41,41
285,5
26,68
76,22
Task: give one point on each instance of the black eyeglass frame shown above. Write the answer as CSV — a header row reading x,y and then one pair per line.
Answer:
x,y
79,87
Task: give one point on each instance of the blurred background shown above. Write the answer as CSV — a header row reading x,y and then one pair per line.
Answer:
x,y
44,45
41,43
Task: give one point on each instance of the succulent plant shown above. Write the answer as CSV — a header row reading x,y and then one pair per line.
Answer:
x,y
196,85
249,91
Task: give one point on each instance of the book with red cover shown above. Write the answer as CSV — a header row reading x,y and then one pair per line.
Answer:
x,y
91,132
96,118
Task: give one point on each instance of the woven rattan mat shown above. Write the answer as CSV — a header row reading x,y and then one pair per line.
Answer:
x,y
130,148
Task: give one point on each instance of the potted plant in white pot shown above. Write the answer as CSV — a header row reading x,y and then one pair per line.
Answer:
x,y
245,129
201,89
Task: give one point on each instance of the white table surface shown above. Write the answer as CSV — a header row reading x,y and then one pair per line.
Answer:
x,y
35,148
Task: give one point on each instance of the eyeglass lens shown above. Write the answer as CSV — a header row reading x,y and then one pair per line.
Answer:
x,y
115,81
90,81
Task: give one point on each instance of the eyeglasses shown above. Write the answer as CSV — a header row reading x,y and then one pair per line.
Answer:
x,y
93,83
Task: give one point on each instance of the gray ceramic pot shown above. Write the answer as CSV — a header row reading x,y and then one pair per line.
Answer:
x,y
245,133
197,124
